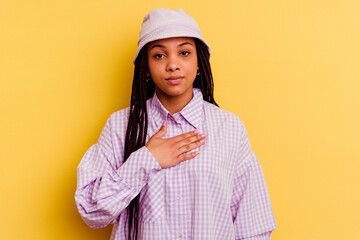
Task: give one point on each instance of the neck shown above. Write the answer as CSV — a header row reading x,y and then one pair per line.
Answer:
x,y
174,104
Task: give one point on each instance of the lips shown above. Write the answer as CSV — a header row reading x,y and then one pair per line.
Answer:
x,y
173,80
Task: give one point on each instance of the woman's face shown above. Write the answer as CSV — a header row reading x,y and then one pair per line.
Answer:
x,y
173,66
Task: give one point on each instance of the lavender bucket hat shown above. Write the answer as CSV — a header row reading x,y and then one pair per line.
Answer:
x,y
163,23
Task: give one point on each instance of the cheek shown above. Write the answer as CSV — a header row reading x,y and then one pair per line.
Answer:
x,y
192,67
153,69
150,66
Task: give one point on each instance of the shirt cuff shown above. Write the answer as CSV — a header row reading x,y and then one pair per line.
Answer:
x,y
138,169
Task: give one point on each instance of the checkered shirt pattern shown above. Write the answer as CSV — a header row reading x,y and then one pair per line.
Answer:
x,y
219,194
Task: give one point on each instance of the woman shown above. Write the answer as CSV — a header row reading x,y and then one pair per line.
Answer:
x,y
173,164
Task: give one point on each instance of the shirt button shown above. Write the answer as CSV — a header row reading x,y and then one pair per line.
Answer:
x,y
180,235
177,129
143,182
178,198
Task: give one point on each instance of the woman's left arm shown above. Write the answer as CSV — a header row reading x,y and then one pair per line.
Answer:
x,y
250,203
251,207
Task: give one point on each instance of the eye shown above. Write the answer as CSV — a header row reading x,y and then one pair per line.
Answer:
x,y
185,53
159,56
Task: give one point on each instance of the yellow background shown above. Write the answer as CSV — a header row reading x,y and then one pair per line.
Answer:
x,y
290,69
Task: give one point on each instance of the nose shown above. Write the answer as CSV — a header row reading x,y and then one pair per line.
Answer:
x,y
173,64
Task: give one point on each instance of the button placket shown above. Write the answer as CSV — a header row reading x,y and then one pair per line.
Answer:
x,y
180,206
178,128
177,120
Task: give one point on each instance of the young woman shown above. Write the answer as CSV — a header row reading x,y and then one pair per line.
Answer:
x,y
173,165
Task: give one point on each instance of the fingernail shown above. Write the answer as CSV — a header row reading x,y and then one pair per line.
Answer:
x,y
197,152
202,141
203,135
164,123
196,131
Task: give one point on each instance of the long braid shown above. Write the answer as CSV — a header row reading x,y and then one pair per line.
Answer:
x,y
136,131
205,80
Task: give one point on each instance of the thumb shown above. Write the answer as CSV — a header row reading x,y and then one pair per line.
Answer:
x,y
162,130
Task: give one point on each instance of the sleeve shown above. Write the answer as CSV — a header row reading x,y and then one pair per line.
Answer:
x,y
264,236
105,187
250,204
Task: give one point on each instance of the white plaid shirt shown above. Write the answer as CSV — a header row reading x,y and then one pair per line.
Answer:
x,y
219,194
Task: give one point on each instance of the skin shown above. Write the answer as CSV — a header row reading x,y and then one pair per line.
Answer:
x,y
173,67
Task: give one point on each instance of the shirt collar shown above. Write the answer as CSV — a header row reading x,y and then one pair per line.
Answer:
x,y
192,112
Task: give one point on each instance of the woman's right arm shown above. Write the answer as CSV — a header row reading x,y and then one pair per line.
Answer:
x,y
105,186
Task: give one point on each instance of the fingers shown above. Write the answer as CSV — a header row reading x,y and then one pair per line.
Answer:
x,y
190,143
187,156
191,139
185,135
169,152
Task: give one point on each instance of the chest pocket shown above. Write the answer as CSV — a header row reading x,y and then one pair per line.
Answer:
x,y
151,203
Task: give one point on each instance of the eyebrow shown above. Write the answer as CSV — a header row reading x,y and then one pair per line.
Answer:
x,y
162,46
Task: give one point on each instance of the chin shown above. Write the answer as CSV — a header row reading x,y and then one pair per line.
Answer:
x,y
176,91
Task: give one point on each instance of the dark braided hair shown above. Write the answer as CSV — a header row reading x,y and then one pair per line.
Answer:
x,y
142,90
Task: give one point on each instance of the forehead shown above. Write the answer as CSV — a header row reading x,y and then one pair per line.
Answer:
x,y
171,42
